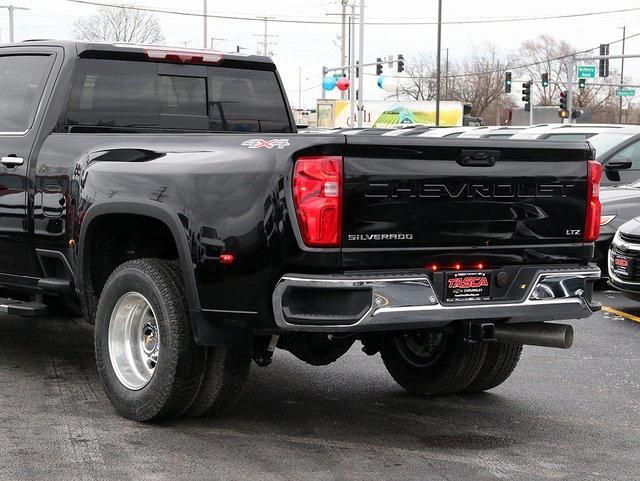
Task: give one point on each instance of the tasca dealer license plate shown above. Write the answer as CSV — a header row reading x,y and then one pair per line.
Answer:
x,y
468,286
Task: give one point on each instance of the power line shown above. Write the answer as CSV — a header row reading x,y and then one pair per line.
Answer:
x,y
265,42
515,67
382,23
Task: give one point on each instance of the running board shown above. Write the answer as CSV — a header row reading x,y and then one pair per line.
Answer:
x,y
22,308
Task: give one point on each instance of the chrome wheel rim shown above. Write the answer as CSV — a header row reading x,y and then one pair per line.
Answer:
x,y
134,341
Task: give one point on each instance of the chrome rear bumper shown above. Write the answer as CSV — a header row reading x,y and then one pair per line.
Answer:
x,y
389,301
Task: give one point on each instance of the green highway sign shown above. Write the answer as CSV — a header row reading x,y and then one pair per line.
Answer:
x,y
586,71
625,92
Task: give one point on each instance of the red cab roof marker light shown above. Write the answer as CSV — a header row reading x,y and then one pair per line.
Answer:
x,y
227,258
183,56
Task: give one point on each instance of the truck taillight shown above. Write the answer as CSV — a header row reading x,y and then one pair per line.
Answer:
x,y
592,221
317,196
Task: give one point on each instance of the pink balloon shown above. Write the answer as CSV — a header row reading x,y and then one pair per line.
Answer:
x,y
343,84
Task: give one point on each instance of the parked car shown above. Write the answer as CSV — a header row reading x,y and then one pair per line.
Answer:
x,y
617,147
168,194
619,205
624,260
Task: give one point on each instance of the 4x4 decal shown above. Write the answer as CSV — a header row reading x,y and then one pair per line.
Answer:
x,y
266,144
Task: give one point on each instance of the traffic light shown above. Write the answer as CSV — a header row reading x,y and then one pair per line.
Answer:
x,y
604,63
563,113
507,82
400,63
526,92
357,69
582,83
545,80
563,100
379,66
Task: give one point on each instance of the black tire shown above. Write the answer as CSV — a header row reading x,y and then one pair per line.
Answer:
x,y
225,374
445,371
499,363
180,364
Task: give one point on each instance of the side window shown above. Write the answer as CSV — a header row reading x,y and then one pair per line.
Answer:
x,y
244,100
22,79
122,94
631,152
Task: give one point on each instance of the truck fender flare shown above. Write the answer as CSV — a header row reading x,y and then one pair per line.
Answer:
x,y
154,210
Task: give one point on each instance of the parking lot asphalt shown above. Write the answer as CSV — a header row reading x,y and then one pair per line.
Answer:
x,y
563,415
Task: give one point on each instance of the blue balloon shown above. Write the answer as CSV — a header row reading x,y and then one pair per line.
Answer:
x,y
329,83
381,81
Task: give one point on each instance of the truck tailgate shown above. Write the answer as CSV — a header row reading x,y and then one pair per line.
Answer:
x,y
408,193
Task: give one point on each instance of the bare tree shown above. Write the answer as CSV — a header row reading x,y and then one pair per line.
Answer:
x,y
482,82
420,82
111,24
548,54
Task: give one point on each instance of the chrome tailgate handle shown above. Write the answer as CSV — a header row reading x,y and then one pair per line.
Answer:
x,y
12,161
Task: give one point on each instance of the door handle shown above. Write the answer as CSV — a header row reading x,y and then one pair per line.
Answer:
x,y
12,161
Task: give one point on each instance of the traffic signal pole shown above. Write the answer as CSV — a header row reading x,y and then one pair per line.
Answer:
x,y
352,69
571,67
531,110
361,58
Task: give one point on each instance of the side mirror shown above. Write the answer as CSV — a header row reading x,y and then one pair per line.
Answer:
x,y
622,163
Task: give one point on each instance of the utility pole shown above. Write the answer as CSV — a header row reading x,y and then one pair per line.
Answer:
x,y
343,42
352,61
571,66
204,20
438,60
361,61
265,37
300,88
446,75
11,9
624,39
344,49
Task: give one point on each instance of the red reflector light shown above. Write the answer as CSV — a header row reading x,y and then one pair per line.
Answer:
x,y
317,196
183,56
227,258
592,219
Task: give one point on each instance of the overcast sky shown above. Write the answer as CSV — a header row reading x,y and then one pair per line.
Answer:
x,y
312,46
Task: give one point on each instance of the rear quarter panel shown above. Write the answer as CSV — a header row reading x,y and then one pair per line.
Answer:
x,y
227,191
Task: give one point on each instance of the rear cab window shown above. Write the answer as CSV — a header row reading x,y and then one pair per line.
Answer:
x,y
22,81
133,96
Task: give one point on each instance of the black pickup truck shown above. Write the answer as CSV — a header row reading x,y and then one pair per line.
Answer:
x,y
166,195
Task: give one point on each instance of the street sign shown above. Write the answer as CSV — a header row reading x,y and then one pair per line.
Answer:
x,y
625,92
586,71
